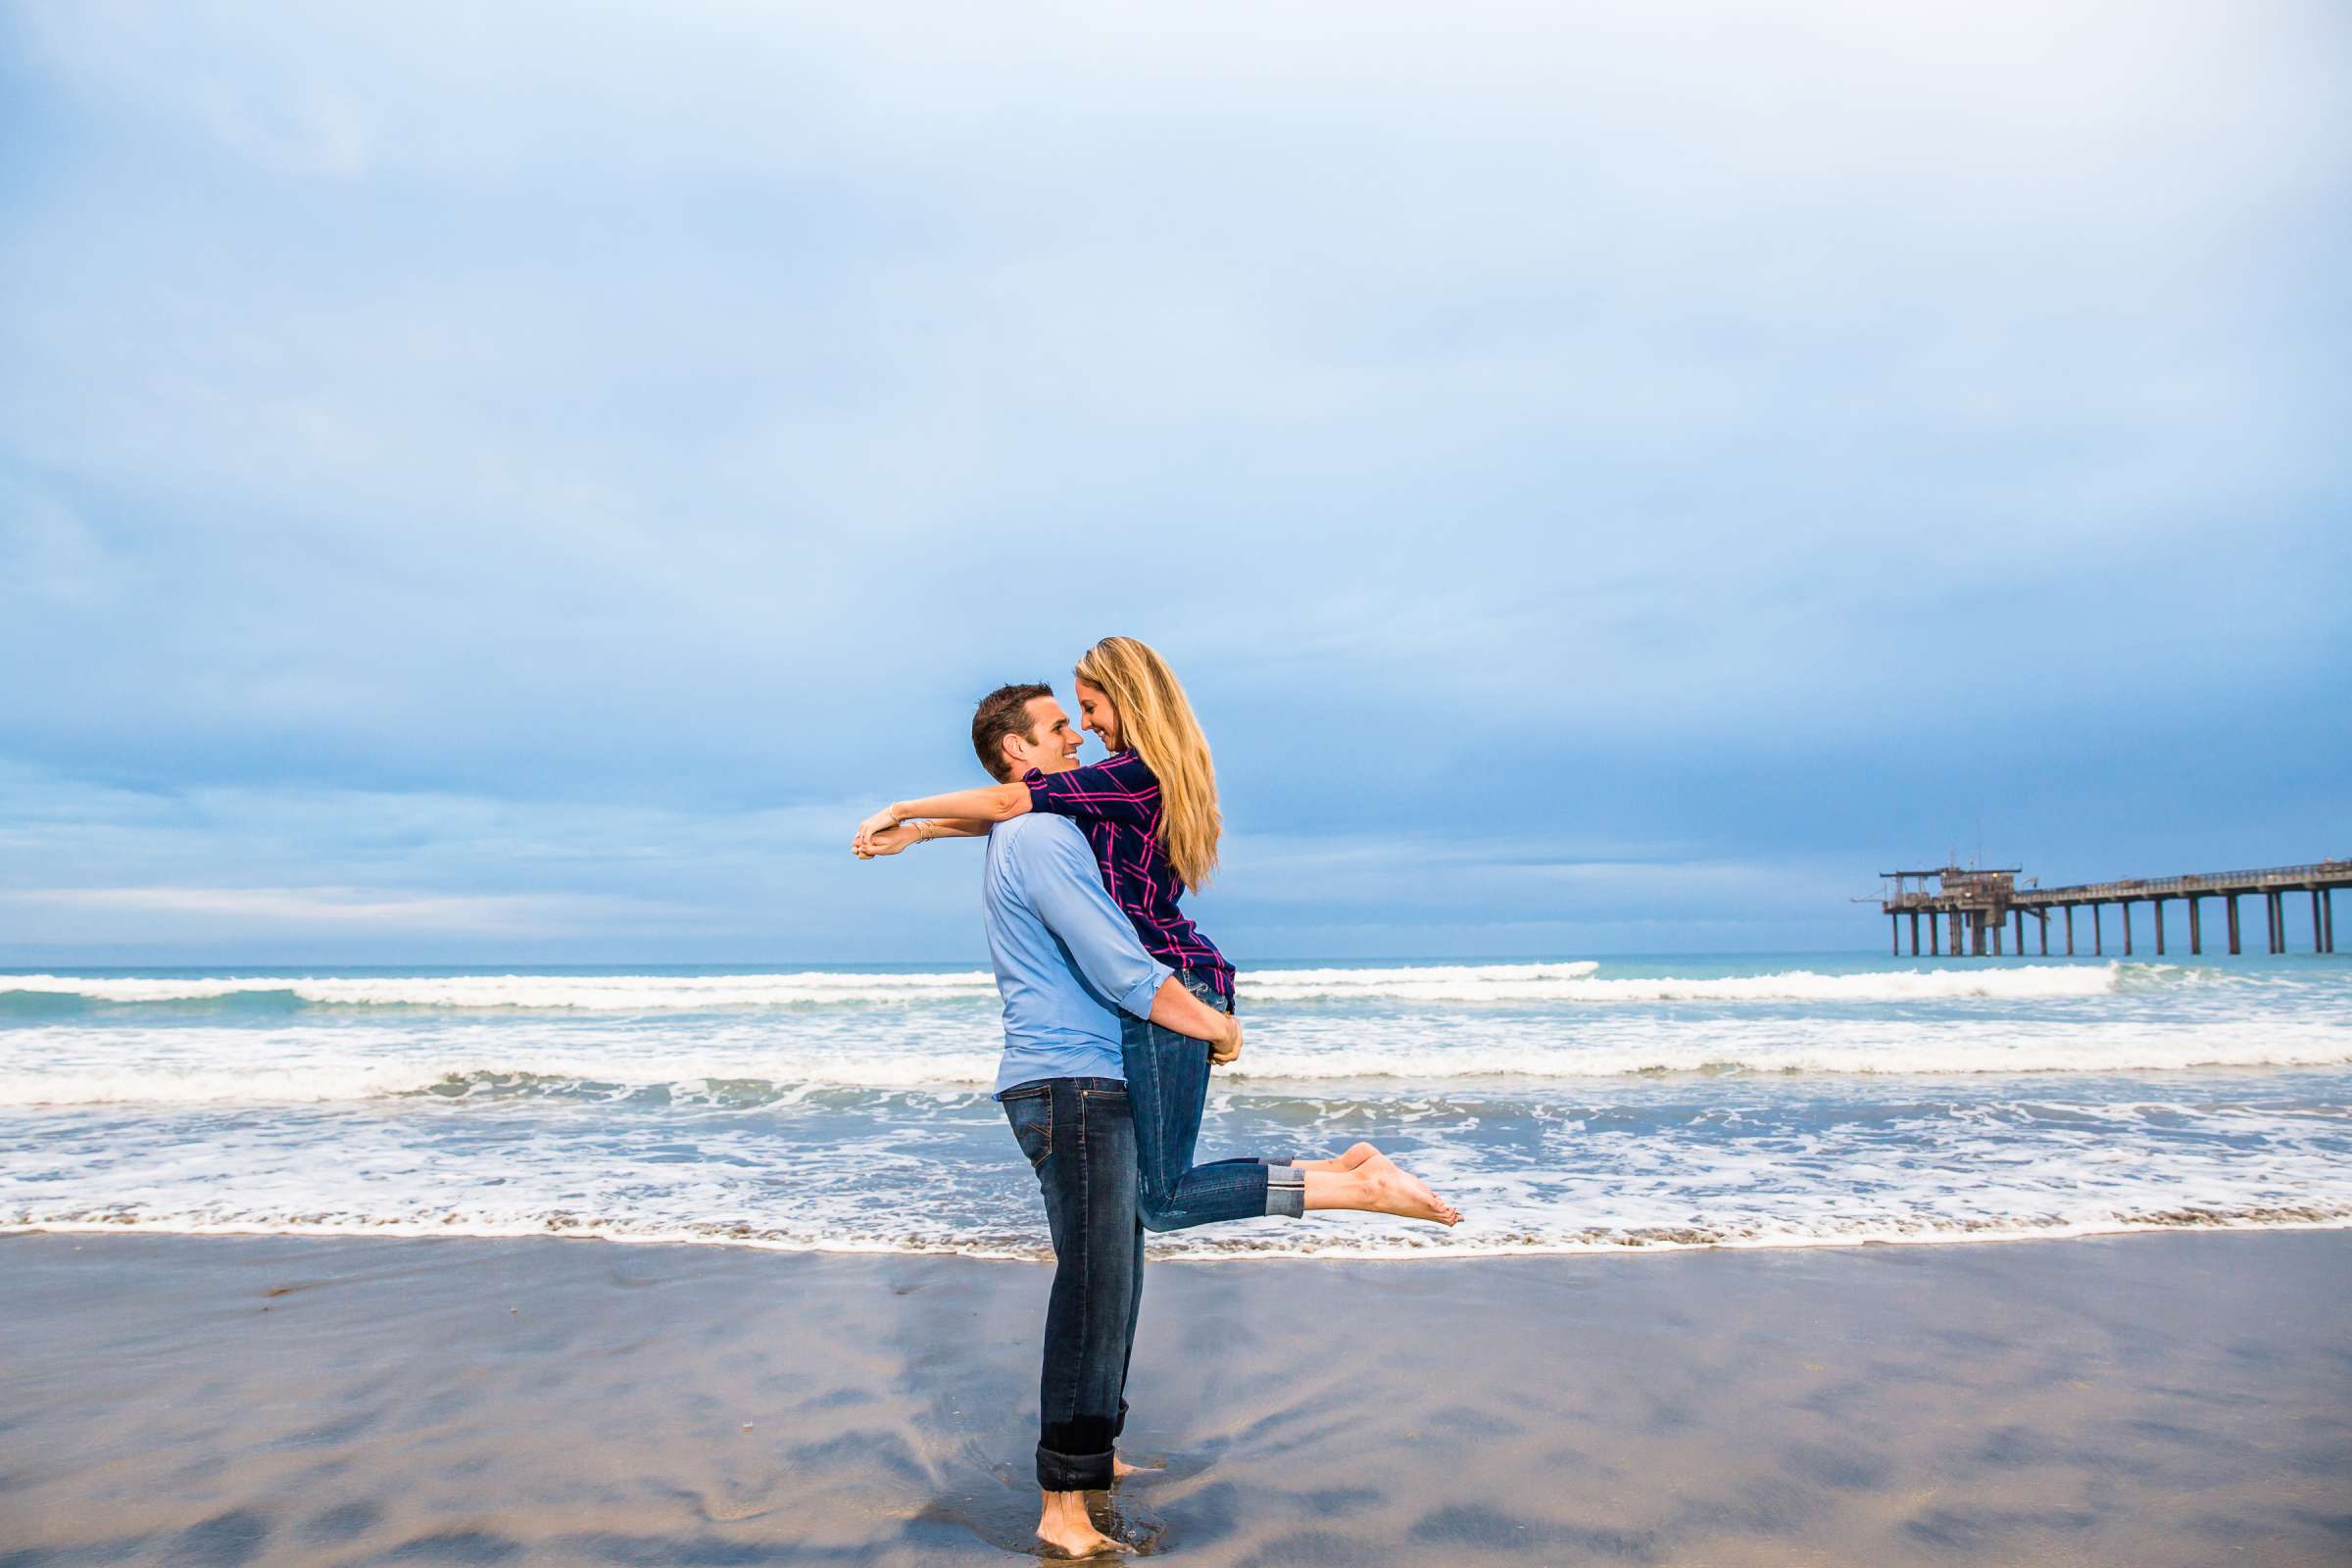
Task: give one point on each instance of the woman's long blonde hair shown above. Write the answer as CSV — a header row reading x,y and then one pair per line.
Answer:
x,y
1156,723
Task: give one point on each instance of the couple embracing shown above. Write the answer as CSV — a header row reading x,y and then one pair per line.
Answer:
x,y
1115,1009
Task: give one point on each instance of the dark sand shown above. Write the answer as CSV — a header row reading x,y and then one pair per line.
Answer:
x,y
2174,1399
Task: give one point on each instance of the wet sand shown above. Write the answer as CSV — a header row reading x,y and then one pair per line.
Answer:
x,y
2151,1399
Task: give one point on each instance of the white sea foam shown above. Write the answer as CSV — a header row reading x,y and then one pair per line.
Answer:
x,y
346,1080
1554,983
1574,983
1986,1171
1361,1243
1795,1106
321,1065
591,993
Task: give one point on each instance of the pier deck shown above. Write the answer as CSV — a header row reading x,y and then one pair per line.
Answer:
x,y
1978,905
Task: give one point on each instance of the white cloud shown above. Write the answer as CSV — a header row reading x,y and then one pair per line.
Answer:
x,y
48,554
684,415
314,131
268,910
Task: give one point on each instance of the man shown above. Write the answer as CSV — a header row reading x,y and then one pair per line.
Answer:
x,y
1067,962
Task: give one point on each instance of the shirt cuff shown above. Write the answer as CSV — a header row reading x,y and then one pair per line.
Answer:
x,y
1139,1001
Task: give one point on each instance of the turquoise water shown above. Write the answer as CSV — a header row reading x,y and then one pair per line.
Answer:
x,y
1756,1099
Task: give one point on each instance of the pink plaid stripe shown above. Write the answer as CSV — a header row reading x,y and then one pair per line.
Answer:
x,y
1117,802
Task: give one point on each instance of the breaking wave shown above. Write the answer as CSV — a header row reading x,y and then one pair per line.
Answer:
x,y
1567,1108
748,1078
48,995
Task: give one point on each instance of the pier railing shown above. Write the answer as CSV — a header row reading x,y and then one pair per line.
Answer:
x,y
2292,878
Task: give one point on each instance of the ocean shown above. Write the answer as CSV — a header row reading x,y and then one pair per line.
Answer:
x,y
1577,1105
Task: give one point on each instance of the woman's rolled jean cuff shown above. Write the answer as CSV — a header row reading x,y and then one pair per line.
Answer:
x,y
1286,1189
1072,1472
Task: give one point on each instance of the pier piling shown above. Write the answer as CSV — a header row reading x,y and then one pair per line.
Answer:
x,y
2069,930
2196,938
2230,902
2127,906
2158,905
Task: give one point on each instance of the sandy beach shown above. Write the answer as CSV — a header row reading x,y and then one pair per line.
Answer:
x,y
2167,1399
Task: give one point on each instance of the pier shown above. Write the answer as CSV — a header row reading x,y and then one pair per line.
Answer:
x,y
1977,906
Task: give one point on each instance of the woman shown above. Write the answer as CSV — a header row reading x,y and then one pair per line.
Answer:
x,y
1150,810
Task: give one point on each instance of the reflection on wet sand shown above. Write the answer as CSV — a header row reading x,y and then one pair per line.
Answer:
x,y
2150,1399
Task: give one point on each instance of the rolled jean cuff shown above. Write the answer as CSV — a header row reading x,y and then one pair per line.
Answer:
x,y
1268,1160
1285,1191
1072,1472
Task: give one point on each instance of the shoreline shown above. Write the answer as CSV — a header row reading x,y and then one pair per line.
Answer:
x,y
1442,1252
2168,1396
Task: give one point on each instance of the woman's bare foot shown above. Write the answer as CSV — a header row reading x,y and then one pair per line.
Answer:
x,y
1355,1155
1428,1192
1382,1168
1120,1469
1378,1187
1064,1526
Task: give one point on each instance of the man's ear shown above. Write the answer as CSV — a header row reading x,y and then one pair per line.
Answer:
x,y
1009,757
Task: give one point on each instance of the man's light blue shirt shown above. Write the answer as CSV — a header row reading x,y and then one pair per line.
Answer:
x,y
1067,962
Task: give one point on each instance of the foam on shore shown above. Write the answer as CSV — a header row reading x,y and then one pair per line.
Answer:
x,y
300,1069
1549,983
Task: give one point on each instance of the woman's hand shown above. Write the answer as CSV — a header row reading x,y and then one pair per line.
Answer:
x,y
881,821
890,841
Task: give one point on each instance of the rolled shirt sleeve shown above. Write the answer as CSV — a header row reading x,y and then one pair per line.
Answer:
x,y
1059,877
1119,789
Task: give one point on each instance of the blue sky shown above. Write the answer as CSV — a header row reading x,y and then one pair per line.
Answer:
x,y
518,484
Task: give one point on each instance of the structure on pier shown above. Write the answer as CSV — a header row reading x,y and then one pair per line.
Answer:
x,y
1976,906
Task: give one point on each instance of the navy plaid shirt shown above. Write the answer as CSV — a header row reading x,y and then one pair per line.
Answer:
x,y
1117,802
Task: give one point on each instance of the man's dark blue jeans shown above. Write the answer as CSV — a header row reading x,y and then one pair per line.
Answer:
x,y
1079,1135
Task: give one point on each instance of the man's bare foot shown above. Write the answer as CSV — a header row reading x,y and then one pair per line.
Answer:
x,y
1064,1526
1120,1469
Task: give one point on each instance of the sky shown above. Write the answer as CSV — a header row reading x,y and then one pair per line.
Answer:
x,y
517,485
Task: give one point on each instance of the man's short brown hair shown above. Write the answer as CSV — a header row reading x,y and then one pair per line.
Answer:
x,y
1001,713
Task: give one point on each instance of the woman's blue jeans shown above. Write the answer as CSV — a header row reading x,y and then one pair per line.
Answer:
x,y
1079,1136
1168,1087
